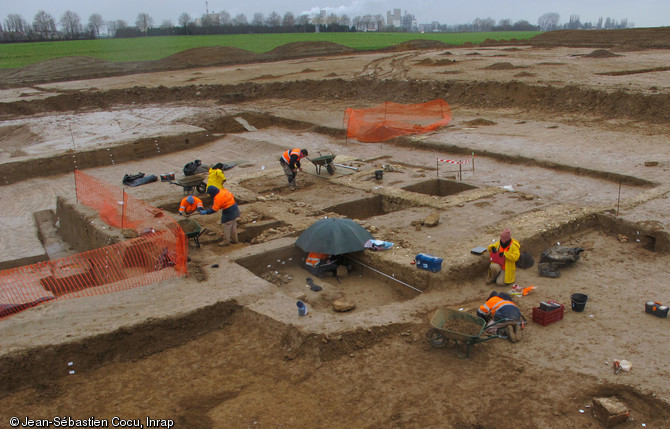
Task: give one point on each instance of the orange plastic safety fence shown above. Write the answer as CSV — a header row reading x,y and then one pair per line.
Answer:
x,y
390,120
117,208
129,264
158,254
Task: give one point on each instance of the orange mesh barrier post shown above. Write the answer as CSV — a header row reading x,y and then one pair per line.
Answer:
x,y
129,212
390,120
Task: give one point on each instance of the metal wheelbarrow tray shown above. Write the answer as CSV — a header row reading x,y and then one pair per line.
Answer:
x,y
189,182
471,332
322,160
192,229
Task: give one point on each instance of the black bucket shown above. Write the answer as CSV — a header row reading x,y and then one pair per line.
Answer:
x,y
578,301
379,174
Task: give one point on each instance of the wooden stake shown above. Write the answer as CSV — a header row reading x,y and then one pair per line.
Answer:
x,y
618,200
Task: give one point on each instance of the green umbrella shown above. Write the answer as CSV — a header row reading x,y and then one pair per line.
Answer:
x,y
334,236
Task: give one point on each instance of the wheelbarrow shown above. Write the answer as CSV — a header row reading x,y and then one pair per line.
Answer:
x,y
465,330
190,182
322,160
192,229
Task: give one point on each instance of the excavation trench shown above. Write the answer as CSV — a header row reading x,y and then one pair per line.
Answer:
x,y
652,108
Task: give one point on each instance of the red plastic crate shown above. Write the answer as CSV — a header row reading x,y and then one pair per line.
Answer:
x,y
545,318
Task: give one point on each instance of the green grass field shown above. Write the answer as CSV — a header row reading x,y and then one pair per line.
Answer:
x,y
16,55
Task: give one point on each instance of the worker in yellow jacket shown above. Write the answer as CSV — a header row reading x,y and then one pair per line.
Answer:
x,y
503,255
216,178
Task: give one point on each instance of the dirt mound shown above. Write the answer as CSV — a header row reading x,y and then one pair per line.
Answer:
x,y
418,44
13,137
206,56
602,53
62,69
479,122
502,66
636,71
75,68
429,62
524,74
631,38
306,49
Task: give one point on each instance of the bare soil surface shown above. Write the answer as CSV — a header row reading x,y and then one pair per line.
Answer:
x,y
570,146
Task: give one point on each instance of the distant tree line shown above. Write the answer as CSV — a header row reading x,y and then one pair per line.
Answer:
x,y
550,21
45,27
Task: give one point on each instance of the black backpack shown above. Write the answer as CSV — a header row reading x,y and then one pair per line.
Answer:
x,y
130,178
191,167
525,261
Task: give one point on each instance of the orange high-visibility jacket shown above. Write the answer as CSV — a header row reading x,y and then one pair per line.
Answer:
x,y
286,156
185,207
493,304
314,258
223,200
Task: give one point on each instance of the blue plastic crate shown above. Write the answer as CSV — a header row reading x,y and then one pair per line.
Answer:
x,y
428,262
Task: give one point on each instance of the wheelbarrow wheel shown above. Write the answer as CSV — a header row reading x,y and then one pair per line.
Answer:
x,y
330,169
201,188
435,338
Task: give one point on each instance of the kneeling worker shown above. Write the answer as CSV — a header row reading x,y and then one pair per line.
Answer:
x,y
225,201
190,205
503,256
498,307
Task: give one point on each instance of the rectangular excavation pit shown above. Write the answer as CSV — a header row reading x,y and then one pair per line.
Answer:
x,y
369,207
250,225
365,288
439,187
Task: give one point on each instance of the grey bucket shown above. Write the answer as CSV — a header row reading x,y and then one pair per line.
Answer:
x,y
302,308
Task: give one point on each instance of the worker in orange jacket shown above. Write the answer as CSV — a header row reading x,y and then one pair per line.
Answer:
x,y
313,258
190,205
498,308
290,162
225,201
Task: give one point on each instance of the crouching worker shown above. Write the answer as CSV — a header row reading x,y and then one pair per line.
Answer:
x,y
503,255
320,263
225,201
190,205
290,162
500,308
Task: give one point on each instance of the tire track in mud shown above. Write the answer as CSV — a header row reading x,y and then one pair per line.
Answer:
x,y
388,67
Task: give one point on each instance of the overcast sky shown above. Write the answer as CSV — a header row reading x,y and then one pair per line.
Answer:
x,y
641,13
